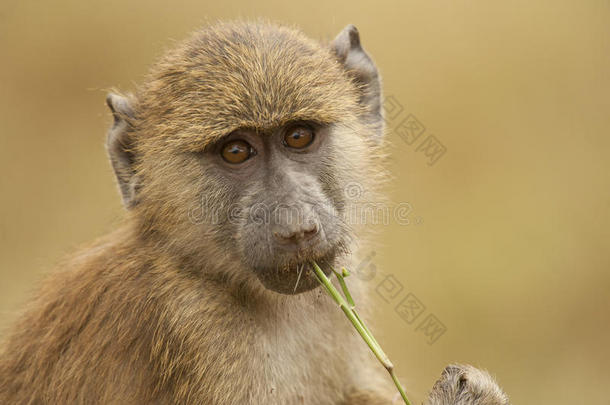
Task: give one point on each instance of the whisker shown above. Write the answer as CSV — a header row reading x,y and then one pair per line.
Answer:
x,y
298,277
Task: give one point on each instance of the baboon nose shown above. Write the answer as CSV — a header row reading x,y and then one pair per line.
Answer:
x,y
305,233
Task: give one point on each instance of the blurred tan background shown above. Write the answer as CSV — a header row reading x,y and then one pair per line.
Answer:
x,y
509,243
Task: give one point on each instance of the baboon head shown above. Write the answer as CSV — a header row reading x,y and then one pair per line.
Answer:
x,y
236,152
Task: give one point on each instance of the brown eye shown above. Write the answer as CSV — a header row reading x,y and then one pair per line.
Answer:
x,y
237,151
298,137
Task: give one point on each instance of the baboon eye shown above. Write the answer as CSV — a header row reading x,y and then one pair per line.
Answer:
x,y
298,137
237,151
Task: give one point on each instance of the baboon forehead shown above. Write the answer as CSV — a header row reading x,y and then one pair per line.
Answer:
x,y
251,75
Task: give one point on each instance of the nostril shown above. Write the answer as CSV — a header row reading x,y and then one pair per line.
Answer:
x,y
310,232
286,237
304,233
281,236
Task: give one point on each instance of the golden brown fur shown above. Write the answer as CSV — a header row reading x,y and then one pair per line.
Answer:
x,y
127,325
149,314
163,310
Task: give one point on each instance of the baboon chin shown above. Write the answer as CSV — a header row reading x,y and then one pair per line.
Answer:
x,y
233,159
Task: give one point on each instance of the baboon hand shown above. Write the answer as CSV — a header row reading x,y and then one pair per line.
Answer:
x,y
466,385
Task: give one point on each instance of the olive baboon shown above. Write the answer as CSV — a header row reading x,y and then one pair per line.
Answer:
x,y
204,296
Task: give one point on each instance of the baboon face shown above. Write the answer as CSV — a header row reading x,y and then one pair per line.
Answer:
x,y
282,201
241,144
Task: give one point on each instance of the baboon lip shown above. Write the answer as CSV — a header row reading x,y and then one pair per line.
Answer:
x,y
295,276
303,261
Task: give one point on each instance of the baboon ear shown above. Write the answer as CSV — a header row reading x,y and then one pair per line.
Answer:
x,y
119,147
360,66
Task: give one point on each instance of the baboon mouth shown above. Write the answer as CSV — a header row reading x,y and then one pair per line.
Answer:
x,y
295,276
